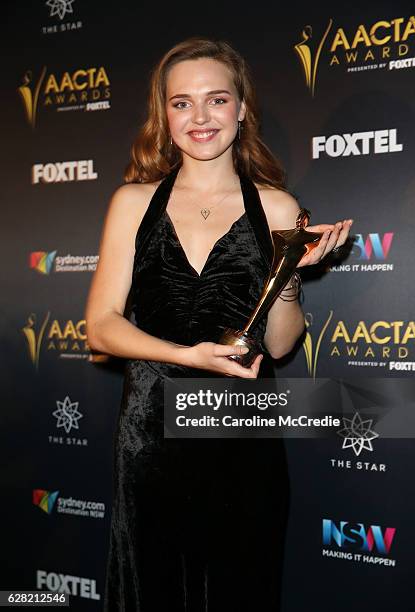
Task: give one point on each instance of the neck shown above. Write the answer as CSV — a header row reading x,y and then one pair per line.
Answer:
x,y
207,175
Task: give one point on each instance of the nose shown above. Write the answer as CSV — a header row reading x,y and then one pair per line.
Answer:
x,y
200,114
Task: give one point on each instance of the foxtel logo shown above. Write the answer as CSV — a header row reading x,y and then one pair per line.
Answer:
x,y
64,583
358,143
63,172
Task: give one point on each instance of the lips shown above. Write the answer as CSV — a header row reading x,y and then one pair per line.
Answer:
x,y
203,135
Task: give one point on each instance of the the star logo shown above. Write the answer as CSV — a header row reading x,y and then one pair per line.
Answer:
x,y
60,7
358,434
67,414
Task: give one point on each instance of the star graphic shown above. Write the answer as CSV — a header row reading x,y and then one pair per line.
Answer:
x,y
357,434
67,414
60,7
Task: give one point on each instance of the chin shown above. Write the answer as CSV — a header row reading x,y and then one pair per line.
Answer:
x,y
204,153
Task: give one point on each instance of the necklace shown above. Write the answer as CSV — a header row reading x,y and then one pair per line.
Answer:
x,y
205,211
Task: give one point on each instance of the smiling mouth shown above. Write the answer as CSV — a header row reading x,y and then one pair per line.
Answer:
x,y
203,134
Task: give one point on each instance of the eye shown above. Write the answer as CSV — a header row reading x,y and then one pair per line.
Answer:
x,y
219,101
180,105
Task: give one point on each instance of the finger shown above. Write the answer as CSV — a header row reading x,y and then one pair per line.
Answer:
x,y
347,223
224,350
321,228
341,235
333,239
317,252
257,364
251,371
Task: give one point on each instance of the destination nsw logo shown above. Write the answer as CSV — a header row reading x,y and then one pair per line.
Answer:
x,y
48,500
358,542
46,262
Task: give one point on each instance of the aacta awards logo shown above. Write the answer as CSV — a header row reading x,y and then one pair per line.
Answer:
x,y
310,56
84,89
312,344
378,343
379,45
67,339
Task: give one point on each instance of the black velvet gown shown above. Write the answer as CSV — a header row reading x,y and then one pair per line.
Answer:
x,y
197,525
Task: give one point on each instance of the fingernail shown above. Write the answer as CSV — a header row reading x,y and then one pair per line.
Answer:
x,y
351,221
244,350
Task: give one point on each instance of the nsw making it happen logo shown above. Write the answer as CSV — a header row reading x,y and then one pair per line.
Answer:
x,y
357,542
370,253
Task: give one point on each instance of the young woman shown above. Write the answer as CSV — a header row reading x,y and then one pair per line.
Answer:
x,y
197,524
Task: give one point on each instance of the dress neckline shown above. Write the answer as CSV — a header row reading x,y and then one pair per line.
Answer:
x,y
218,241
210,254
254,213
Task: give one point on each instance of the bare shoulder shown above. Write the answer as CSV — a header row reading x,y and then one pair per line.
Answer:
x,y
131,200
280,207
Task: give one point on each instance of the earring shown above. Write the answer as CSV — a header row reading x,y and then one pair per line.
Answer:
x,y
239,130
171,141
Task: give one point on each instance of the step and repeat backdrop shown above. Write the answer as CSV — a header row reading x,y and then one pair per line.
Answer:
x,y
336,91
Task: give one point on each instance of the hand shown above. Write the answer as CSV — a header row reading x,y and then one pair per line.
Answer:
x,y
214,357
334,236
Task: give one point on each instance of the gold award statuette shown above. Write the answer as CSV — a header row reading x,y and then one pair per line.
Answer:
x,y
289,248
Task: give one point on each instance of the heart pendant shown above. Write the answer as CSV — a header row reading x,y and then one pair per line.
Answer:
x,y
205,212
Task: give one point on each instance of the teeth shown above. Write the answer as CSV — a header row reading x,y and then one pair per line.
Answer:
x,y
203,134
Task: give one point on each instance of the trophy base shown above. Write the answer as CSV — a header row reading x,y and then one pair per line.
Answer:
x,y
233,337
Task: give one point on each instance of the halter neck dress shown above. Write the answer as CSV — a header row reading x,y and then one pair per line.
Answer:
x,y
197,525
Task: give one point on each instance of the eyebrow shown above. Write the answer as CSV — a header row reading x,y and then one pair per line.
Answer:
x,y
209,93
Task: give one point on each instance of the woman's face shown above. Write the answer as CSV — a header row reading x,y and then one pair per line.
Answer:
x,y
202,107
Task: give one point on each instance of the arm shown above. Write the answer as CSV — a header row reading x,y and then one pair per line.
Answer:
x,y
285,319
106,327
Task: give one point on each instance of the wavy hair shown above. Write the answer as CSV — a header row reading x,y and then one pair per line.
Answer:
x,y
152,155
